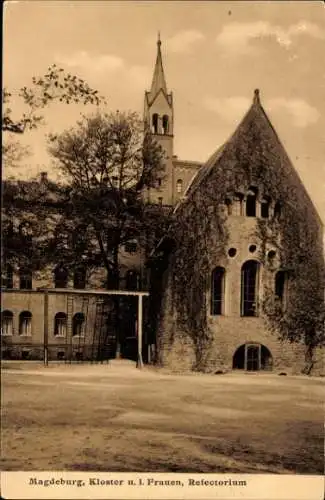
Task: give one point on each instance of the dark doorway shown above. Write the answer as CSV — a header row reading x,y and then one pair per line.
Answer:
x,y
252,357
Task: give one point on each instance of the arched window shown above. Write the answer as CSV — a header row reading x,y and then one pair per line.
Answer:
x,y
8,278
249,288
179,185
60,277
251,199
77,324
60,324
79,277
277,210
165,124
155,123
131,280
217,291
7,319
228,206
237,206
265,208
25,279
25,323
280,286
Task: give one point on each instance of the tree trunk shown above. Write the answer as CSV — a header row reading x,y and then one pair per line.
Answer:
x,y
309,359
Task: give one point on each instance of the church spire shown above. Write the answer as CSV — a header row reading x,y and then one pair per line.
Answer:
x,y
158,80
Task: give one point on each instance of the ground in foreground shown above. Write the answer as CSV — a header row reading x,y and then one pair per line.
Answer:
x,y
116,418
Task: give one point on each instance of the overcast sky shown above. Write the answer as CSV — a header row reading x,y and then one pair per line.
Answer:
x,y
215,54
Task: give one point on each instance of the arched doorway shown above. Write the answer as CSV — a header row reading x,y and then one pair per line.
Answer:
x,y
252,357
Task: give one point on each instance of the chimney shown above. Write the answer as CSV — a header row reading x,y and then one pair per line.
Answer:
x,y
44,177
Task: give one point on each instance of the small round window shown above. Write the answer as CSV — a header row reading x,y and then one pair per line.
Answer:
x,y
252,248
232,252
271,254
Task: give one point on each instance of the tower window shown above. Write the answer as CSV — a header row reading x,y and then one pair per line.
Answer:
x,y
78,324
217,291
7,323
265,208
79,278
155,123
249,288
165,124
60,324
251,202
25,279
179,185
25,323
131,246
160,201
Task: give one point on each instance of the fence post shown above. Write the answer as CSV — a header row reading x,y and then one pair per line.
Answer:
x,y
139,362
46,327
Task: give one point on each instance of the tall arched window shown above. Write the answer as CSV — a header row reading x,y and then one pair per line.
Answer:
x,y
249,288
277,210
237,205
78,324
280,286
265,207
251,199
8,278
217,291
79,277
60,324
179,185
7,318
165,124
155,123
25,279
131,280
60,277
25,323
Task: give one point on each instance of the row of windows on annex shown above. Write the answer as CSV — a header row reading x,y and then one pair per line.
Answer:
x,y
61,278
251,205
25,324
249,289
160,124
179,185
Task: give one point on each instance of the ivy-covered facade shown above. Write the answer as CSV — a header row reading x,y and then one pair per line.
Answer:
x,y
238,282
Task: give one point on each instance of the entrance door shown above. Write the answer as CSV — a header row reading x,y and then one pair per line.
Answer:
x,y
253,355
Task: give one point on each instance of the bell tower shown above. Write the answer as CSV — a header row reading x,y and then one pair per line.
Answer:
x,y
159,117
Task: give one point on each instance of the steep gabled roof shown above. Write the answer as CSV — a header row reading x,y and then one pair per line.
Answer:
x,y
255,112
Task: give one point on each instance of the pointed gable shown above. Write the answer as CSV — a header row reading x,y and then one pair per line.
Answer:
x,y
254,154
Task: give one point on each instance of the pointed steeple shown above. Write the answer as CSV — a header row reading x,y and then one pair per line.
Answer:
x,y
158,80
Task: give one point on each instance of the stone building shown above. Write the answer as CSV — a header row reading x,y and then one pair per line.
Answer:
x,y
244,231
243,250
